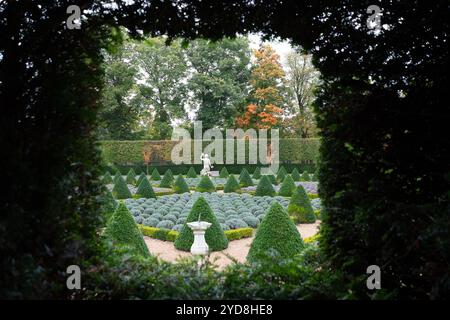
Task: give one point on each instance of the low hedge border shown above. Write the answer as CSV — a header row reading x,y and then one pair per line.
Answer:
x,y
171,235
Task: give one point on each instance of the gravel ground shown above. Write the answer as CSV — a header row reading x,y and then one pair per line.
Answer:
x,y
237,249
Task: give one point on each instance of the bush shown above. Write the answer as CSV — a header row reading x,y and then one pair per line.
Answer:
x,y
169,173
167,180
257,173
107,179
180,185
131,177
120,190
244,179
237,234
272,179
275,233
117,176
191,173
287,187
251,221
232,185
205,185
165,224
155,175
215,237
295,175
265,188
281,174
305,176
108,204
122,230
300,208
224,173
141,177
145,189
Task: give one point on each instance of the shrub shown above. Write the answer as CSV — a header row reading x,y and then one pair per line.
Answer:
x,y
300,208
257,173
244,179
141,177
281,174
107,179
117,176
272,179
232,185
131,177
120,190
108,204
205,185
167,180
122,230
275,233
145,189
155,175
150,222
265,188
191,173
287,187
169,173
224,173
251,221
315,177
237,234
215,237
295,175
236,223
165,224
180,185
305,176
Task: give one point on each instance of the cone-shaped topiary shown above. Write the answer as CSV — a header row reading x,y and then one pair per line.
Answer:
x,y
244,179
281,174
232,185
122,230
108,204
300,208
257,173
205,185
224,173
167,180
305,176
117,175
191,173
287,187
120,190
141,177
145,189
155,175
214,236
169,173
276,232
265,187
131,177
107,179
272,179
315,176
180,185
295,175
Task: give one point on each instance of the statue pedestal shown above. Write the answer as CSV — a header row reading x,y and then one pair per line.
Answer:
x,y
199,247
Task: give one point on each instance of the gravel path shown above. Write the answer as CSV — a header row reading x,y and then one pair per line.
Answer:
x,y
237,249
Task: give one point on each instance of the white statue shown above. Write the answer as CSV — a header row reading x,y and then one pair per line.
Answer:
x,y
206,165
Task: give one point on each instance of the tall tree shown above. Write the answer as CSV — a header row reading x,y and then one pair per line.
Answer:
x,y
219,83
267,91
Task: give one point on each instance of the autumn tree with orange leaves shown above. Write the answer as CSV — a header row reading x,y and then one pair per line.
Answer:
x,y
266,99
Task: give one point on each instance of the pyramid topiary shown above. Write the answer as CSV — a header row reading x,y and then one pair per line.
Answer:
x,y
257,173
167,180
275,233
122,230
305,176
300,208
141,177
244,179
287,187
131,177
232,185
145,189
169,173
224,173
155,175
205,185
107,179
265,188
117,175
214,236
295,175
107,204
315,176
120,190
281,174
180,185
191,173
272,179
